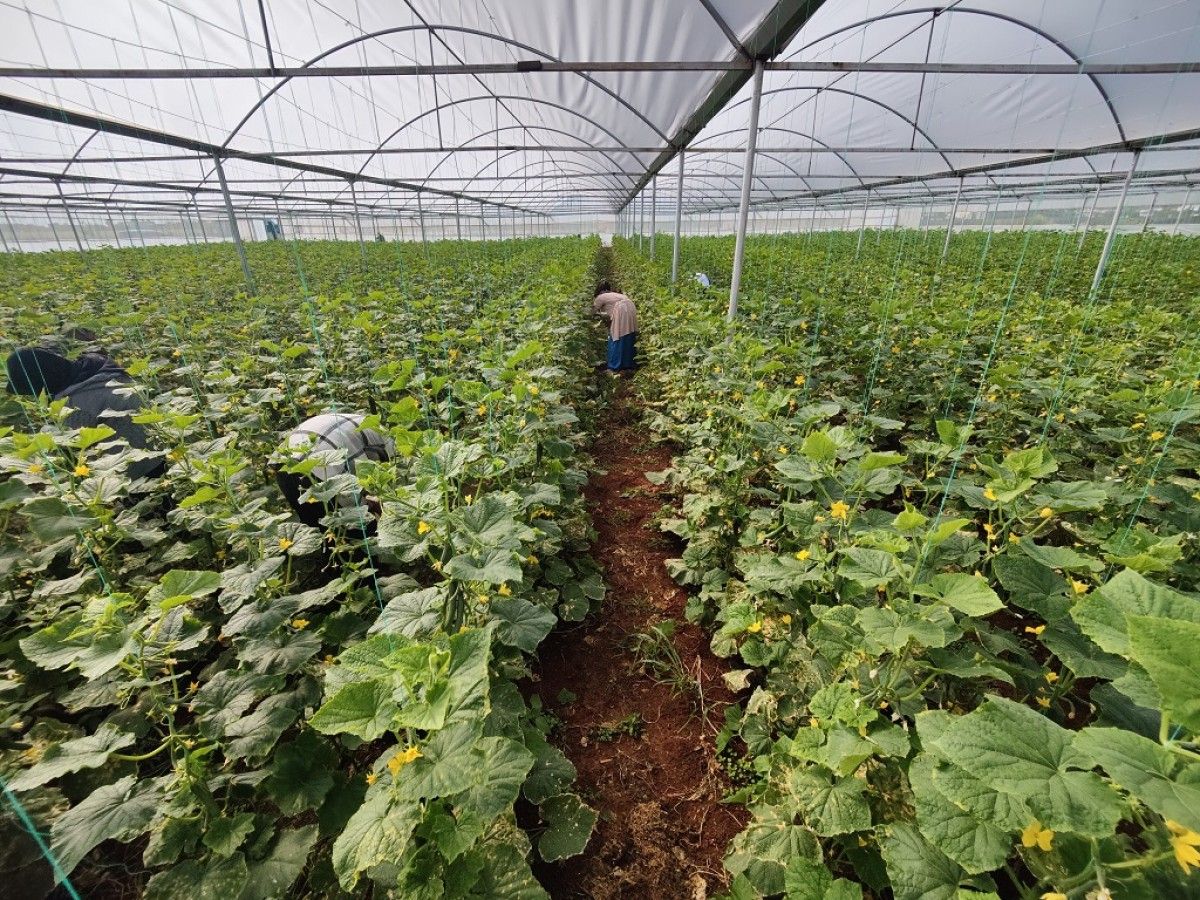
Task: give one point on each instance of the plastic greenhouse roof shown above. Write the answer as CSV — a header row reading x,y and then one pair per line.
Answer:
x,y
489,107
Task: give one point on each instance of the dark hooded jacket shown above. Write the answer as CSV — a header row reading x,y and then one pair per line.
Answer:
x,y
97,390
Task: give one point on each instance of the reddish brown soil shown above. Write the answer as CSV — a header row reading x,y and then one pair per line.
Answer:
x,y
662,830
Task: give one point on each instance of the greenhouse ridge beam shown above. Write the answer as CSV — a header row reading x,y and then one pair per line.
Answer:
x,y
771,36
526,67
84,120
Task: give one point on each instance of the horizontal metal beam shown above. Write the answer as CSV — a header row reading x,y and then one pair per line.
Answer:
x,y
138,132
597,66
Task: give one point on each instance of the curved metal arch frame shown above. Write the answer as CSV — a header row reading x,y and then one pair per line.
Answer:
x,y
803,134
495,131
583,173
403,29
935,10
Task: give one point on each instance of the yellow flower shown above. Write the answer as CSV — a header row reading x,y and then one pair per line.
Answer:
x,y
1053,895
989,529
505,591
284,543
534,390
839,510
468,498
818,518
1079,587
400,760
482,598
785,619
1038,629
1046,512
422,527
35,468
531,559
372,778
1185,841
1136,425
754,627
299,624
989,494
803,555
82,471
1052,677
783,450
799,380
1157,436
437,565
1044,703
1014,539
1034,835
482,410
176,354
193,687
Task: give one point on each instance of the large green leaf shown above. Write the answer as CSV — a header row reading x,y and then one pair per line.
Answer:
x,y
1033,586
415,614
969,594
362,708
870,568
763,850
223,879
782,574
378,832
917,869
804,880
522,624
226,696
121,810
1013,749
86,752
973,840
255,734
275,873
1169,650
891,631
569,826
301,773
828,804
1147,770
493,566
1101,614
490,522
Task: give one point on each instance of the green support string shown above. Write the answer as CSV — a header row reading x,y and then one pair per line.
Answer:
x,y
60,876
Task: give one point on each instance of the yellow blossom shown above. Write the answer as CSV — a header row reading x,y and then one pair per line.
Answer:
x,y
284,543
1046,512
531,559
372,778
505,591
482,598
818,518
783,450
1032,629
299,624
534,390
1136,425
1044,702
35,468
989,494
754,627
193,687
989,529
1052,677
1034,835
82,471
397,762
422,527
799,380
437,565
785,619
1157,436
482,410
839,510
1014,539
1079,587
1184,841
803,555
1054,895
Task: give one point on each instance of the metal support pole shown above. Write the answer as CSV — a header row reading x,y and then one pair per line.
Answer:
x,y
678,221
641,219
421,219
53,230
862,229
233,225
70,219
362,245
1150,212
653,213
1087,223
739,250
953,215
1182,208
12,229
1112,228
457,220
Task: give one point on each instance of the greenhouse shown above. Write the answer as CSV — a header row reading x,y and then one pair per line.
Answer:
x,y
511,449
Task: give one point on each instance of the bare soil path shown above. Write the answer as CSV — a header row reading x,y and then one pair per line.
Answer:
x,y
645,755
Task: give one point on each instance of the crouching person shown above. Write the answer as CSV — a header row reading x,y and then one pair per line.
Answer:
x,y
316,469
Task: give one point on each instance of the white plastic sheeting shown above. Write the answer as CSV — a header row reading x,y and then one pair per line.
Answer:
x,y
563,143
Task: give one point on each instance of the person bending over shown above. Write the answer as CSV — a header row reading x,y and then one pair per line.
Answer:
x,y
621,315
97,390
337,441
